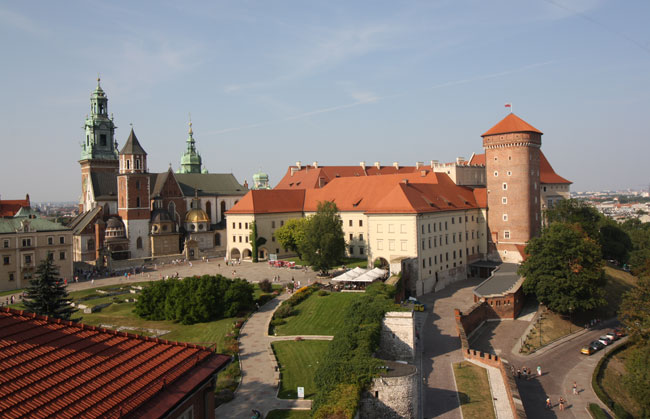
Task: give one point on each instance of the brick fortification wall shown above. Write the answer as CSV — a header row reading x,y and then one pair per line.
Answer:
x,y
465,325
397,336
390,398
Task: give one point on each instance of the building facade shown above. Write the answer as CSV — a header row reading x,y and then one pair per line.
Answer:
x,y
25,241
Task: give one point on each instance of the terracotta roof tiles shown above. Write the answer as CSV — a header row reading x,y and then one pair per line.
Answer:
x,y
9,207
53,367
511,123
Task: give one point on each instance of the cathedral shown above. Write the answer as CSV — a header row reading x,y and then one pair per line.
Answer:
x,y
126,212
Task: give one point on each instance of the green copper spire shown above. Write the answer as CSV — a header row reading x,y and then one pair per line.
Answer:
x,y
191,159
100,130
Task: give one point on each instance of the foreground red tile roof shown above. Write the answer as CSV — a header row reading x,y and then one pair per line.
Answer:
x,y
308,177
511,123
416,192
9,207
50,367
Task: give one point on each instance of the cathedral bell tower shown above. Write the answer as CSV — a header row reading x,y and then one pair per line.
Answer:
x,y
133,196
99,148
512,157
191,159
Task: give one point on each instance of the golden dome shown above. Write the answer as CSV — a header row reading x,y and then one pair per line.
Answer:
x,y
197,216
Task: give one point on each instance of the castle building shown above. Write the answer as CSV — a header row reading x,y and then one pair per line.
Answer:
x,y
434,223
127,212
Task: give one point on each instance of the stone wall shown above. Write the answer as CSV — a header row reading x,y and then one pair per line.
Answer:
x,y
397,336
390,398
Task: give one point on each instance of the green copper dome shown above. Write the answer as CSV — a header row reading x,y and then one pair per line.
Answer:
x,y
261,180
99,129
191,159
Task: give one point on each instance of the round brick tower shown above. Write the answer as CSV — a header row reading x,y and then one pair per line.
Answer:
x,y
512,150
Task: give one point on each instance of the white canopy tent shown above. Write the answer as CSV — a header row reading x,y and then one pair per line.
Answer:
x,y
360,275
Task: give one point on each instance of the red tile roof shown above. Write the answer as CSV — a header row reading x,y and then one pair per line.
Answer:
x,y
9,207
308,177
424,191
511,123
480,194
50,367
477,159
546,172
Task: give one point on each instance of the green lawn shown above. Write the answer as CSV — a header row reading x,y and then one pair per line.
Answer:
x,y
298,362
318,315
473,391
288,414
9,292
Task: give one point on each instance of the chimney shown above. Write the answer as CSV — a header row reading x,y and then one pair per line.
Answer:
x,y
423,173
405,181
298,165
363,165
377,165
434,163
245,184
315,165
460,160
396,165
294,170
418,164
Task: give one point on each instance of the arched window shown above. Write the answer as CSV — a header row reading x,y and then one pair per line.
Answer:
x,y
208,209
137,163
223,210
128,164
138,243
172,210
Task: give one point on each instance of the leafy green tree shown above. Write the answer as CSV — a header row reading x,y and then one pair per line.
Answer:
x,y
564,269
572,211
615,241
635,311
256,242
47,294
323,244
291,234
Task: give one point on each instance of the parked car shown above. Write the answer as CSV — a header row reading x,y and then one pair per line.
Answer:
x,y
620,332
612,335
587,350
597,345
605,340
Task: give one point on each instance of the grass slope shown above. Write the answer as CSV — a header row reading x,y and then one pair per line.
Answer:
x,y
318,315
473,391
612,382
298,362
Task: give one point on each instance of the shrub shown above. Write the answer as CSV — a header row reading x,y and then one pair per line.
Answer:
x,y
266,285
323,293
284,311
264,298
596,378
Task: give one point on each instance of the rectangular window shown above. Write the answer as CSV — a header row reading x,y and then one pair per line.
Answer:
x,y
473,252
351,237
11,276
429,228
246,226
239,239
391,244
505,217
452,220
505,186
447,239
460,237
27,242
391,228
429,242
447,256
50,240
429,261
361,250
380,245
454,254
234,238
435,259
6,260
350,223
446,226
361,237
380,228
435,241
403,244
466,235
422,244
273,238
360,223
460,253
506,234
61,255
240,225
422,228
504,200
272,224
246,239
281,223
351,250
5,244
453,238
233,224
28,259
460,220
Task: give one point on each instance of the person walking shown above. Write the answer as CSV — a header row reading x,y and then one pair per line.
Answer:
x,y
549,405
539,371
561,403
575,389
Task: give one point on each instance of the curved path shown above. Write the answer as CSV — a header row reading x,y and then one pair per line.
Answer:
x,y
259,384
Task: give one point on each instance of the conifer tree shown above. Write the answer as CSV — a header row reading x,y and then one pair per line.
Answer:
x,y
47,294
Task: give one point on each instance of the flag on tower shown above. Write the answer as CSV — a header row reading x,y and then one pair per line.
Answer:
x,y
508,105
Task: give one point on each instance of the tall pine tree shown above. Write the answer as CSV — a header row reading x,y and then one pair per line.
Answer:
x,y
47,295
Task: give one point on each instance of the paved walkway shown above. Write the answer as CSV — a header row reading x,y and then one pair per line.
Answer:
x,y
500,400
260,376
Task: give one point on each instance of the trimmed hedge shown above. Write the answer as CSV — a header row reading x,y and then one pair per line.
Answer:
x,y
596,411
619,411
195,299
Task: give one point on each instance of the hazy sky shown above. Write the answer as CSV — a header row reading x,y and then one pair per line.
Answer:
x,y
269,83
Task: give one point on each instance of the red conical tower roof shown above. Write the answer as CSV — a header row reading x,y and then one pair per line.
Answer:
x,y
511,123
